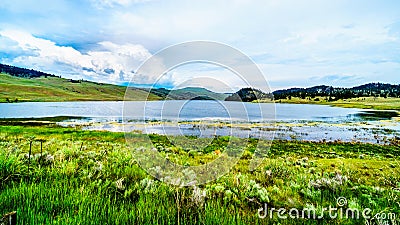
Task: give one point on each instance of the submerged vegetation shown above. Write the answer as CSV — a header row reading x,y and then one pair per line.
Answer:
x,y
53,175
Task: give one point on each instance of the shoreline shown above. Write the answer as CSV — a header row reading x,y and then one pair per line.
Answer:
x,y
378,103
382,104
380,132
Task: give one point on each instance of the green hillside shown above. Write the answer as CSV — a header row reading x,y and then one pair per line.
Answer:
x,y
20,84
196,93
51,88
188,93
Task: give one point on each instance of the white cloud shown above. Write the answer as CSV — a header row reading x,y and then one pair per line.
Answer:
x,y
111,62
291,40
111,3
123,60
9,49
207,75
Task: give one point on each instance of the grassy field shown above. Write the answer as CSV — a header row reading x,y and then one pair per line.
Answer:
x,y
91,177
59,89
378,103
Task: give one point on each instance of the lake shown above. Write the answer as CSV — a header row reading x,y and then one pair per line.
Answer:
x,y
177,110
198,118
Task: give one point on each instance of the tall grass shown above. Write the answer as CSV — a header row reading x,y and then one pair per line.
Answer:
x,y
91,177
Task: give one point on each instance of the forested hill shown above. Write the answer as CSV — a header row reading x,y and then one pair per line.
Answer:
x,y
248,95
332,93
329,93
22,72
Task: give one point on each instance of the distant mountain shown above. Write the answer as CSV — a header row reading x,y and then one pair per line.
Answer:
x,y
248,95
188,93
195,93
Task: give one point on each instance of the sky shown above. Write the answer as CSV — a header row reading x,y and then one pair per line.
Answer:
x,y
294,43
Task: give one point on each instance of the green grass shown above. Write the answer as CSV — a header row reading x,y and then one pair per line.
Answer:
x,y
378,103
59,89
95,179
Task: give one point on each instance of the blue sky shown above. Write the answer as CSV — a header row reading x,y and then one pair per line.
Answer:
x,y
294,43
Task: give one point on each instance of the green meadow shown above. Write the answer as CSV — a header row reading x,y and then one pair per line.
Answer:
x,y
48,89
54,175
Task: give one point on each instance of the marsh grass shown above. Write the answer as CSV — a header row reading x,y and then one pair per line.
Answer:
x,y
91,177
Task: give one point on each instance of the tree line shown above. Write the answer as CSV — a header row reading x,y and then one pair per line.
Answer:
x,y
332,93
22,72
328,93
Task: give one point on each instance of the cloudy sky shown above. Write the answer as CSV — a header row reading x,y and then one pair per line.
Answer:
x,y
294,43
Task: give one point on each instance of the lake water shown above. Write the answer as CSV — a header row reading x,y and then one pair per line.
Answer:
x,y
177,110
198,118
